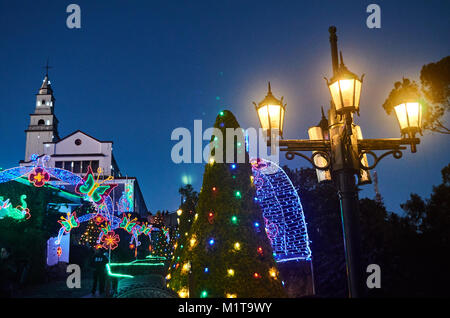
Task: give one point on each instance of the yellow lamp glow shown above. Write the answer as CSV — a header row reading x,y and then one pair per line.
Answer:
x,y
271,113
230,272
409,116
237,246
231,295
345,90
179,212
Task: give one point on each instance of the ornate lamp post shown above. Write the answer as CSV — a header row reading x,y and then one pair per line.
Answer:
x,y
339,152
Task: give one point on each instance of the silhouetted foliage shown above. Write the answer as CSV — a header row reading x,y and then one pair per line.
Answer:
x,y
434,94
412,250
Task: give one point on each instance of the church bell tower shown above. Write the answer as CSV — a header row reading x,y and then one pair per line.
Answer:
x,y
43,125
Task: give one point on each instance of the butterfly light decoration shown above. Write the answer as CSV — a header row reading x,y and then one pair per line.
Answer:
x,y
93,188
70,222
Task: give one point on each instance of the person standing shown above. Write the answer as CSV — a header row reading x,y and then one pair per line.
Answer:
x,y
99,262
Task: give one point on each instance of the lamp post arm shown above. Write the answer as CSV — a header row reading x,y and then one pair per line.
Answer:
x,y
386,143
304,145
393,145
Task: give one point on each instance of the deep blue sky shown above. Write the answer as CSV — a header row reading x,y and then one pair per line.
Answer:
x,y
138,69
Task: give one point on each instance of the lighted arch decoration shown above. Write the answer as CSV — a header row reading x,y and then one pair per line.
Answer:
x,y
282,211
38,174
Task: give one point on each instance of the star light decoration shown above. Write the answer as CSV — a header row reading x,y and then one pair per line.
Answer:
x,y
110,240
38,177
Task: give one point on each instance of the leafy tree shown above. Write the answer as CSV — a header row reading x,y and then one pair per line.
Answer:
x,y
434,94
321,208
189,198
387,239
27,239
432,219
227,256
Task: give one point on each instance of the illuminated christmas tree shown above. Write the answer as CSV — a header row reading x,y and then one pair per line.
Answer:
x,y
161,245
227,253
90,235
160,239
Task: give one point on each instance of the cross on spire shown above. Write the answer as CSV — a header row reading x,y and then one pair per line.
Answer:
x,y
47,67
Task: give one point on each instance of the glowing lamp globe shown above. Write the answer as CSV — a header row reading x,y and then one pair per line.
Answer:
x,y
271,113
345,90
409,116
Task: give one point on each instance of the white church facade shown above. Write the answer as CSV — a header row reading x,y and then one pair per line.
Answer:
x,y
77,151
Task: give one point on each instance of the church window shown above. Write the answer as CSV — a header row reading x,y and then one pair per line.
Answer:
x,y
76,166
68,165
41,122
85,166
77,142
94,165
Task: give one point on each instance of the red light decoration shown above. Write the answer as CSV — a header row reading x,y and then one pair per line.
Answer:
x,y
211,217
260,250
59,251
98,219
38,177
256,275
110,240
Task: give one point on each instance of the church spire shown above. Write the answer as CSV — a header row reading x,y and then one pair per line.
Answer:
x,y
46,87
43,127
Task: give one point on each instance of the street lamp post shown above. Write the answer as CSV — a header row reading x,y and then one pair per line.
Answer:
x,y
339,152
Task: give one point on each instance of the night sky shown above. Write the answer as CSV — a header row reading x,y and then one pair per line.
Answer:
x,y
136,70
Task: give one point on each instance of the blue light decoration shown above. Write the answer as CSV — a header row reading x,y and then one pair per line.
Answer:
x,y
126,201
282,211
59,177
211,242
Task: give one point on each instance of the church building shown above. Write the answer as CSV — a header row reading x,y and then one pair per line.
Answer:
x,y
76,152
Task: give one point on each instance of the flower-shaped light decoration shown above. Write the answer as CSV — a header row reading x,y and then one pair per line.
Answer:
x,y
99,219
38,177
110,240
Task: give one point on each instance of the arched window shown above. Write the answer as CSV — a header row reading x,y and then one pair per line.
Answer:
x,y
41,122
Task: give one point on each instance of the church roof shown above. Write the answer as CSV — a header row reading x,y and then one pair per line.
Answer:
x,y
77,131
46,87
